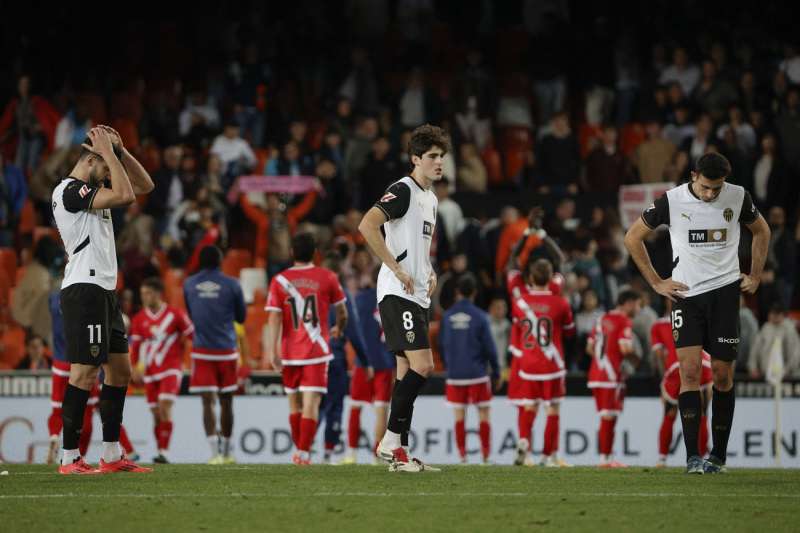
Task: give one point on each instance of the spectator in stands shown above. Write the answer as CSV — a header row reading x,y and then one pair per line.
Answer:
x,y
472,122
360,86
745,134
642,324
748,329
680,126
782,252
585,320
678,170
450,212
713,95
168,191
234,152
654,154
36,357
73,126
249,79
13,192
741,164
751,98
777,93
697,144
30,306
500,326
770,177
585,263
445,294
416,104
685,73
381,169
558,159
359,148
342,120
199,120
293,162
791,63
471,173
34,121
333,147
607,168
778,328
787,124
333,200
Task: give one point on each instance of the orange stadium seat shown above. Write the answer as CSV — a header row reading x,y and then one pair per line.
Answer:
x,y
494,166
586,133
5,289
9,263
235,260
632,136
27,218
12,351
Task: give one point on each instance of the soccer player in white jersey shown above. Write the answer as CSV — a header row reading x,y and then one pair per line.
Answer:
x,y
93,323
704,218
407,212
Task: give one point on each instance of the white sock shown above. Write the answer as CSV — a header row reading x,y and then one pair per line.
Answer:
x,y
605,458
162,452
226,446
662,458
111,452
391,439
213,443
70,456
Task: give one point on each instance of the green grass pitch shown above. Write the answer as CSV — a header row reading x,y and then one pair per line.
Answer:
x,y
369,498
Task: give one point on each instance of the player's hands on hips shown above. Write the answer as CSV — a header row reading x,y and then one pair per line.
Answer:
x,y
101,143
749,284
116,138
670,288
432,281
406,279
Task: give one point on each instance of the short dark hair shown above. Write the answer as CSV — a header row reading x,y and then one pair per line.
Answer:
x,y
466,285
542,271
154,283
210,257
713,166
303,247
777,307
85,153
628,295
426,137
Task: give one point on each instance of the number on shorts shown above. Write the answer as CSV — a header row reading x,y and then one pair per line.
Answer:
x,y
92,329
677,319
408,320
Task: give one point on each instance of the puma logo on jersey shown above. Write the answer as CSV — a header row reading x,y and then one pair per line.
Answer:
x,y
388,197
688,217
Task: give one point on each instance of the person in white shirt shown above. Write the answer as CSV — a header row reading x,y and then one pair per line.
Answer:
x,y
682,71
233,151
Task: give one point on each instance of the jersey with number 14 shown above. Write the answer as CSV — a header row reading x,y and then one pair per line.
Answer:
x,y
303,295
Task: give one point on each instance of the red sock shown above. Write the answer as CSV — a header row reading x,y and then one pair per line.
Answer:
x,y
126,443
86,431
525,423
308,427
54,422
164,434
294,424
551,432
702,437
354,428
665,434
607,435
486,439
461,438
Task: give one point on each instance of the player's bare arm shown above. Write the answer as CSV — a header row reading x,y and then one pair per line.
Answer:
x,y
634,242
370,228
273,336
432,282
341,321
140,179
121,192
590,347
761,235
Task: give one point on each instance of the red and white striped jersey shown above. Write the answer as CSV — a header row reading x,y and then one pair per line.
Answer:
x,y
156,338
543,319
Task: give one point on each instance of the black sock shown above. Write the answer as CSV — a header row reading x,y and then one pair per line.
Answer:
x,y
72,408
690,407
722,406
112,401
403,401
404,434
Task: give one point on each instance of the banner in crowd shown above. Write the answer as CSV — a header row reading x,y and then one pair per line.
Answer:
x,y
633,199
276,184
261,432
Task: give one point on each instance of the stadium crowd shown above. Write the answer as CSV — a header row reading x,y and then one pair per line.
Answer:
x,y
546,106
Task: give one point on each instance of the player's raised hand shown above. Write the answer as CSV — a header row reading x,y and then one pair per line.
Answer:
x,y
749,284
116,138
101,143
670,288
406,279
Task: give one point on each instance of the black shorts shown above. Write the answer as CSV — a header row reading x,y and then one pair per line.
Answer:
x,y
710,320
405,324
93,325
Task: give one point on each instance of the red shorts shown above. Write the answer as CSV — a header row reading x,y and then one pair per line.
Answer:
x,y
671,382
458,395
609,401
516,385
213,376
546,390
166,388
375,391
59,383
300,378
